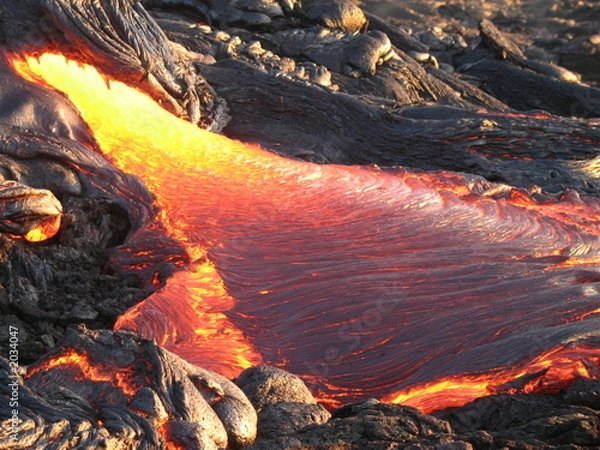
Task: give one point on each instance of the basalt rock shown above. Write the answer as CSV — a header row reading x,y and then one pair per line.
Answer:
x,y
47,288
494,422
112,388
115,390
348,131
265,108
538,421
372,425
271,14
29,212
266,385
127,44
282,400
429,90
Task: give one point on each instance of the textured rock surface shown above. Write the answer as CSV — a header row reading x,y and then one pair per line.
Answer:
x,y
111,389
48,287
322,57
267,385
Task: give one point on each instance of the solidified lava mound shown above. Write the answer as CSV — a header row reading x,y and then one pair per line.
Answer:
x,y
49,287
504,93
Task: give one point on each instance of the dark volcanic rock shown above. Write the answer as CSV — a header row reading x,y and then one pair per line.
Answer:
x,y
266,385
541,421
283,67
285,418
96,411
584,392
284,403
115,390
372,425
48,286
495,422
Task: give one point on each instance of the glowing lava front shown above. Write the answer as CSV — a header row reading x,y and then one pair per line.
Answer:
x,y
430,289
109,383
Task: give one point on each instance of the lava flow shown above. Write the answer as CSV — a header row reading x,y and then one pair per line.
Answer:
x,y
425,288
110,383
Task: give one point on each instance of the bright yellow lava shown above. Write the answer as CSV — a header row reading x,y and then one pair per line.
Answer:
x,y
196,293
174,158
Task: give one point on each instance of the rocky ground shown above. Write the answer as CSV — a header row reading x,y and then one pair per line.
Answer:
x,y
51,286
288,420
48,287
561,32
274,410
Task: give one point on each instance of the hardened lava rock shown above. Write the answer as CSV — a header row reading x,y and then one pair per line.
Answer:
x,y
111,389
32,213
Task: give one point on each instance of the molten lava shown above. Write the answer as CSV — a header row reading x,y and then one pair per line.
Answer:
x,y
404,286
44,230
110,383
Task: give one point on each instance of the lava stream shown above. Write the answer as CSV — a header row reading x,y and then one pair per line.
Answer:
x,y
366,283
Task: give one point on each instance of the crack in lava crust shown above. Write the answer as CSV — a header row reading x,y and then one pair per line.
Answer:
x,y
366,283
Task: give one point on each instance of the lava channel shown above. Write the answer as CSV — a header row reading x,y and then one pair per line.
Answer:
x,y
425,288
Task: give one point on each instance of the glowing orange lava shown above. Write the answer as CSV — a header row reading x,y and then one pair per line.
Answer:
x,y
87,371
548,373
197,296
366,283
43,231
